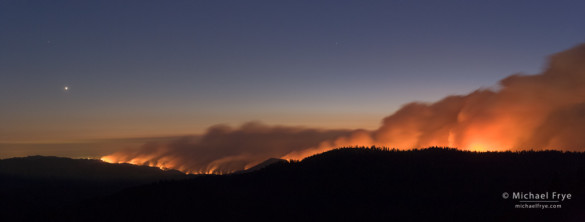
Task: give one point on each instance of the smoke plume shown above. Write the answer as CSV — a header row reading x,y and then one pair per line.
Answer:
x,y
223,149
543,111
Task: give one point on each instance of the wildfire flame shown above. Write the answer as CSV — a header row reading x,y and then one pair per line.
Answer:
x,y
543,111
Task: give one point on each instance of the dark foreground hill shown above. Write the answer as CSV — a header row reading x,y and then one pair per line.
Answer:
x,y
33,187
363,185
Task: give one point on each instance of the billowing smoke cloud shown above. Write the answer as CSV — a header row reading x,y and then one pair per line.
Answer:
x,y
544,111
224,149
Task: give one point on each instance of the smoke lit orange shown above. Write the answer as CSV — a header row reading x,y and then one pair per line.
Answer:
x,y
543,111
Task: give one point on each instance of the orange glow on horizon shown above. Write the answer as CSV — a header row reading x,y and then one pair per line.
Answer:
x,y
145,161
542,111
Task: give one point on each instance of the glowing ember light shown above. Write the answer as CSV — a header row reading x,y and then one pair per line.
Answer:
x,y
107,159
478,148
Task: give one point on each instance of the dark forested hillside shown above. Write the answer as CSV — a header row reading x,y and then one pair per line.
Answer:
x,y
82,169
33,187
358,184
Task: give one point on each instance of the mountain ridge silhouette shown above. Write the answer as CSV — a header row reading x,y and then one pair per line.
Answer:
x,y
364,184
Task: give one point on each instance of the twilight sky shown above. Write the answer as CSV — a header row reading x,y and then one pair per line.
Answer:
x,y
166,68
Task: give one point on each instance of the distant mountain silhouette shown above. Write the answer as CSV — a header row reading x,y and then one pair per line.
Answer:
x,y
349,184
261,165
365,184
39,167
38,185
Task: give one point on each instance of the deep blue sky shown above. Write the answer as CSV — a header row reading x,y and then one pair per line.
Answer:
x,y
147,68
